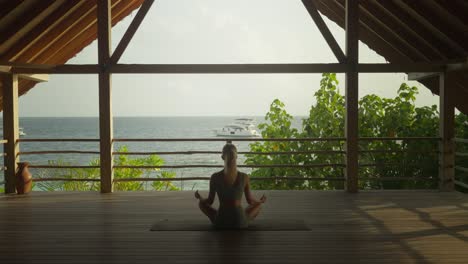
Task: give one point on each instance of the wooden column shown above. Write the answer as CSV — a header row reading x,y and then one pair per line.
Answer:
x,y
351,93
10,128
105,96
447,134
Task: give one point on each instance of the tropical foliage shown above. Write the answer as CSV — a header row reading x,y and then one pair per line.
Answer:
x,y
126,173
378,117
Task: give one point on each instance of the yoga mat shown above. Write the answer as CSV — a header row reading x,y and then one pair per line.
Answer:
x,y
205,225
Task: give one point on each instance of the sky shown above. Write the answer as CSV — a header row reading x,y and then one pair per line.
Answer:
x,y
211,31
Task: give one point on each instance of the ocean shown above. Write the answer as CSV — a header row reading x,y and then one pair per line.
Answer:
x,y
133,127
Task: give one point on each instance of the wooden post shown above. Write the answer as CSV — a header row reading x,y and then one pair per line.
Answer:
x,y
105,96
351,120
447,134
10,128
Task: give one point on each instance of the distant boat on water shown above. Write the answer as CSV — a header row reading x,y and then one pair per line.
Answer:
x,y
20,132
242,127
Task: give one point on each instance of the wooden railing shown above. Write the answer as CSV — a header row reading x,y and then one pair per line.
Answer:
x,y
458,181
198,152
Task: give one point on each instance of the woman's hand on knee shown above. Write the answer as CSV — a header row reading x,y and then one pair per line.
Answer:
x,y
263,199
197,195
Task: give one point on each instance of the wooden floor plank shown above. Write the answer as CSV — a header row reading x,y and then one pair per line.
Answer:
x,y
368,227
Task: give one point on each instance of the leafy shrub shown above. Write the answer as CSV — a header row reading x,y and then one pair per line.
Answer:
x,y
125,173
378,117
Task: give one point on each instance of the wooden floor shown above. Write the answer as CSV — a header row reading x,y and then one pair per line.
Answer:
x,y
369,227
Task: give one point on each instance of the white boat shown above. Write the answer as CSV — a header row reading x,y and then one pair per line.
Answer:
x,y
20,132
242,127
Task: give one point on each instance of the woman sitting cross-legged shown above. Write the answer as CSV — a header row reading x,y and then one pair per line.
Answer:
x,y
230,184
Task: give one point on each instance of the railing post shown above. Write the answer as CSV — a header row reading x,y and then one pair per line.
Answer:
x,y
351,93
105,96
446,133
10,128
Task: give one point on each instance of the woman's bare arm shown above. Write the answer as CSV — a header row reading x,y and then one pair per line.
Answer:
x,y
211,195
248,193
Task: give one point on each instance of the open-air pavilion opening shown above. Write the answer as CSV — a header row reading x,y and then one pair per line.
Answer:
x,y
426,39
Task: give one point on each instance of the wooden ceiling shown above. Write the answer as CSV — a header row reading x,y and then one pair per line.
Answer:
x,y
50,31
413,31
53,31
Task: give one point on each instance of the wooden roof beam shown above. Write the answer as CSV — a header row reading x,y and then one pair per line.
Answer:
x,y
429,24
31,77
364,27
418,31
327,35
131,30
43,28
457,66
384,32
228,68
26,22
418,76
381,46
35,54
458,8
368,17
441,10
63,47
403,32
10,11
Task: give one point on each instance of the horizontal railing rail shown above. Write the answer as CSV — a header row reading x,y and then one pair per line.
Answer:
x,y
400,151
239,152
187,166
226,139
63,167
239,166
299,178
57,152
460,168
461,140
191,179
58,140
461,184
395,164
409,178
195,152
66,179
223,139
397,138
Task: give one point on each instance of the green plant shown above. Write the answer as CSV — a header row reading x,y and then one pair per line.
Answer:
x,y
119,173
378,117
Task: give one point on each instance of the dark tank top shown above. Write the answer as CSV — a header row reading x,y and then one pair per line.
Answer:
x,y
226,192
230,216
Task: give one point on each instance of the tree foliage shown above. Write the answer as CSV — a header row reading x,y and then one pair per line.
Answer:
x,y
378,117
121,173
